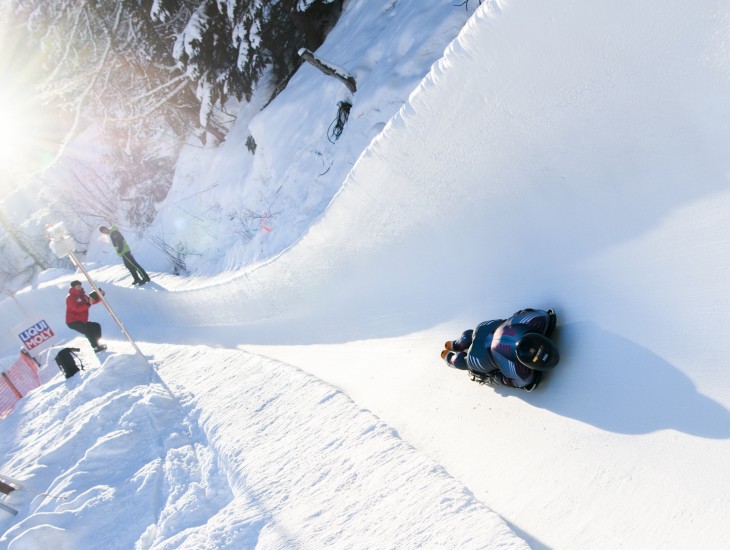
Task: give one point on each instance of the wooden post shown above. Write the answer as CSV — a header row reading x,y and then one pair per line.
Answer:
x,y
12,386
329,69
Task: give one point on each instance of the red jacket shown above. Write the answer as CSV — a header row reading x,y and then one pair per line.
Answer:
x,y
77,306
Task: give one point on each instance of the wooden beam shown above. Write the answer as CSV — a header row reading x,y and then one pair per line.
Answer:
x,y
329,69
5,488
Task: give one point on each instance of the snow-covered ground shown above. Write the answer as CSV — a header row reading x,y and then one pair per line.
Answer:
x,y
565,155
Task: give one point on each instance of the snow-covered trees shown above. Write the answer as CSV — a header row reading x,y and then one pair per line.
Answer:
x,y
134,62
227,45
107,61
148,68
145,74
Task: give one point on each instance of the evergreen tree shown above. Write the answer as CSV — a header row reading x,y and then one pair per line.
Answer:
x,y
146,73
228,44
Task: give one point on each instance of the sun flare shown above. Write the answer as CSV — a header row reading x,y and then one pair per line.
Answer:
x,y
29,131
13,135
29,134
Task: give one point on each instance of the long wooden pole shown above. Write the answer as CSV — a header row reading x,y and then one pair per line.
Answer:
x,y
77,263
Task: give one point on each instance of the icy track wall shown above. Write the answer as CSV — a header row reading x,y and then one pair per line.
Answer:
x,y
534,165
538,162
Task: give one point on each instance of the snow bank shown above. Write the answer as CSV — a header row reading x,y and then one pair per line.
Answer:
x,y
251,453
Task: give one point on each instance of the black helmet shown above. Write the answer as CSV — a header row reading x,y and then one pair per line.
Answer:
x,y
536,352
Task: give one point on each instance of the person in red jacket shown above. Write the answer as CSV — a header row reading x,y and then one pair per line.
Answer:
x,y
77,315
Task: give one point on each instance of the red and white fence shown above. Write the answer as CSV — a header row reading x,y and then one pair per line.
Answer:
x,y
16,382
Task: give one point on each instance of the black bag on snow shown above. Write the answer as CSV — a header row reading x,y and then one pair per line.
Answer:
x,y
68,362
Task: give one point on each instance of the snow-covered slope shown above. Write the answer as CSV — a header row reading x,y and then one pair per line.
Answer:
x,y
239,452
230,208
566,155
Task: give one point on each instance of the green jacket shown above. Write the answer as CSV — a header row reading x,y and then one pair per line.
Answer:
x,y
120,245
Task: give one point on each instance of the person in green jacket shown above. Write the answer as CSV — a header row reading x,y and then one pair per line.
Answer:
x,y
123,251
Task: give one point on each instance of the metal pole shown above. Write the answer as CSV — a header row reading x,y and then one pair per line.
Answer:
x,y
77,263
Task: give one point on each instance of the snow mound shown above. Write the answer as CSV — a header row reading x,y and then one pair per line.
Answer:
x,y
253,453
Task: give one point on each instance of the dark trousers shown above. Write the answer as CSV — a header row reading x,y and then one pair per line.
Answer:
x,y
134,268
91,330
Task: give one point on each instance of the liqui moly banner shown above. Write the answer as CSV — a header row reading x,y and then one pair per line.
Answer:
x,y
37,335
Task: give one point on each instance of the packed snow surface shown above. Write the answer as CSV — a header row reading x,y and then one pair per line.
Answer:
x,y
571,155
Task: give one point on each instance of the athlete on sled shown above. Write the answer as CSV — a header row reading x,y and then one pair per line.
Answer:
x,y
512,352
